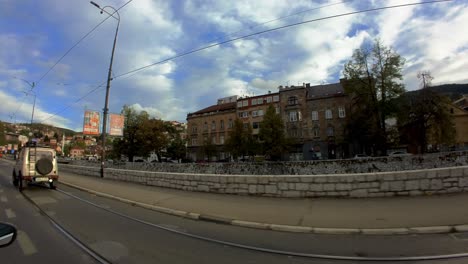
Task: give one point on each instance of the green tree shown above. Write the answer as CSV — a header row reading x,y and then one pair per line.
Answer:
x,y
272,135
56,136
424,117
177,149
46,138
2,134
209,149
239,139
142,135
373,79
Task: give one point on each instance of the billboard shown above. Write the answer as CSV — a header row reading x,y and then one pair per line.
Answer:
x,y
116,124
92,120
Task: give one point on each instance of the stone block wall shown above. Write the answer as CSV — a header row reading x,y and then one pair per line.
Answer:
x,y
380,184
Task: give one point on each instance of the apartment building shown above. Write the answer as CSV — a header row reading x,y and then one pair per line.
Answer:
x,y
211,125
252,109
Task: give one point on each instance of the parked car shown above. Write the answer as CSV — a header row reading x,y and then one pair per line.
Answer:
x,y
35,164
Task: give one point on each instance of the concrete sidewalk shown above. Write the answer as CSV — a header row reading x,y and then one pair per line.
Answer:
x,y
396,214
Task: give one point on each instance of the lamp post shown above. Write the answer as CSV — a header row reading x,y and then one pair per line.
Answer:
x,y
109,78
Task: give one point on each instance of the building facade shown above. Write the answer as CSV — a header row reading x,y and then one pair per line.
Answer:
x,y
210,126
314,119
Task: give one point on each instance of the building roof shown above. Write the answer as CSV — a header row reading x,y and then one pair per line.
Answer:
x,y
215,108
324,90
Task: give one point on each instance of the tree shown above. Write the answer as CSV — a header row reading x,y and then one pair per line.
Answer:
x,y
208,148
177,149
142,135
56,136
46,138
373,79
2,134
424,117
236,143
272,135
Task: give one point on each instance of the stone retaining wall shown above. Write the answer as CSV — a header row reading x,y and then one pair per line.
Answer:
x,y
316,167
402,183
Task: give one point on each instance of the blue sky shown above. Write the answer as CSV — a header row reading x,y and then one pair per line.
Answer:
x,y
35,34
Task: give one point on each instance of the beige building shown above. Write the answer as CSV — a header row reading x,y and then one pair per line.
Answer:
x,y
459,111
211,124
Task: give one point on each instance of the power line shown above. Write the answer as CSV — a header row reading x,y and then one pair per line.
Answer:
x,y
275,29
246,36
79,41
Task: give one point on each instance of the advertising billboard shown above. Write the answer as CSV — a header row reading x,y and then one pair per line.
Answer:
x,y
116,124
92,121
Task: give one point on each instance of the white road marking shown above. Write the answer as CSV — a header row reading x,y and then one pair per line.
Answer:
x,y
25,243
9,213
4,199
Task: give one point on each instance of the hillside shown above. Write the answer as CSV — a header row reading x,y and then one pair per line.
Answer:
x,y
454,91
24,128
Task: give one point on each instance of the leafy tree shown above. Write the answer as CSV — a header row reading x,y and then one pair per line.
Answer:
x,y
2,134
209,149
177,149
56,136
374,75
240,139
46,138
272,135
142,135
424,116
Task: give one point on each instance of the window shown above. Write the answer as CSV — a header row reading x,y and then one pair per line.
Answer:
x,y
230,123
205,127
259,101
292,100
255,125
213,125
245,103
260,113
315,116
341,112
221,124
245,114
330,131
293,116
254,113
254,101
316,132
276,98
328,114
239,104
213,140
194,141
221,139
194,129
269,99
277,109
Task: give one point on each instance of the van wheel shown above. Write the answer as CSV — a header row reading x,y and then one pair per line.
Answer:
x,y
15,180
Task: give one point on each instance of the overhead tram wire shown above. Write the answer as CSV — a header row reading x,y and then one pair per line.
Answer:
x,y
273,20
275,29
250,35
78,42
113,77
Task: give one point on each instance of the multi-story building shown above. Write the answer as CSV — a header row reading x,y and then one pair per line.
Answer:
x,y
210,126
459,112
314,119
252,109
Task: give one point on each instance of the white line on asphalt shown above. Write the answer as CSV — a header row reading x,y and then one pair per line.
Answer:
x,y
25,243
4,199
9,213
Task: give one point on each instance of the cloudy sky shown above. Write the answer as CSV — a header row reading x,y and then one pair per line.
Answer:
x,y
35,34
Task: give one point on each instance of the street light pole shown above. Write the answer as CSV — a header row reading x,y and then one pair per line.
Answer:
x,y
109,79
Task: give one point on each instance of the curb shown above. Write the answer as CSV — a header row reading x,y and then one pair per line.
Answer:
x,y
283,228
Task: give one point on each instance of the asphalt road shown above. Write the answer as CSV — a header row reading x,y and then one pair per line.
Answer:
x,y
123,240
